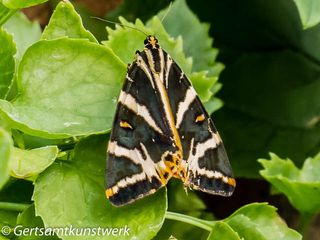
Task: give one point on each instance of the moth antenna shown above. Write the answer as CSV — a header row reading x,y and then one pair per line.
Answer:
x,y
123,25
166,13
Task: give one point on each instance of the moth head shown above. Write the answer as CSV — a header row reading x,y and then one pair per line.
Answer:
x,y
151,42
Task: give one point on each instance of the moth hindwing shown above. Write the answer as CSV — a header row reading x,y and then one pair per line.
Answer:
x,y
161,130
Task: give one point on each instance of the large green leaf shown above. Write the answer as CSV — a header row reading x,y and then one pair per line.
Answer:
x,y
7,62
6,148
29,163
309,12
72,193
65,22
259,221
17,4
67,87
302,187
24,32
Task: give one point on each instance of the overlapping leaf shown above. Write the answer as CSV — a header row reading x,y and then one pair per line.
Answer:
x,y
309,12
72,193
65,21
7,62
259,221
67,87
302,187
127,39
29,163
24,32
6,148
17,4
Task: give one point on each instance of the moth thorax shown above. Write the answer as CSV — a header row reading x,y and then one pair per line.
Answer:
x,y
151,42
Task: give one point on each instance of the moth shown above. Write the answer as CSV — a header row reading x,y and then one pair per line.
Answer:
x,y
161,130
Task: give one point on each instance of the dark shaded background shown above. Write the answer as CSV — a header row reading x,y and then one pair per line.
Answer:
x,y
271,86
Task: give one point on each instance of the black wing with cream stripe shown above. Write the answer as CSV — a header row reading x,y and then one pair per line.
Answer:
x,y
142,150
205,161
161,130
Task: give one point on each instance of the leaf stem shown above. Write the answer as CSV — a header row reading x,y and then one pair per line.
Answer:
x,y
207,225
305,221
9,206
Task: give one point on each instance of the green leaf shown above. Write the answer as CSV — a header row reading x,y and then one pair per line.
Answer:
x,y
213,105
302,187
7,218
174,46
29,163
6,148
222,230
5,13
67,87
7,62
256,221
3,238
178,20
66,22
24,32
125,41
203,84
73,193
27,219
309,12
260,221
17,4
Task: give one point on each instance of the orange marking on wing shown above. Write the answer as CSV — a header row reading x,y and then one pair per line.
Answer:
x,y
125,124
232,182
200,118
109,192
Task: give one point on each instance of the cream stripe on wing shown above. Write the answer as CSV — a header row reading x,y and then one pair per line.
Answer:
x,y
167,70
149,167
141,63
151,62
200,149
184,105
130,102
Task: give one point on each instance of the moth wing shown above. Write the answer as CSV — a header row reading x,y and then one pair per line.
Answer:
x,y
140,141
205,162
